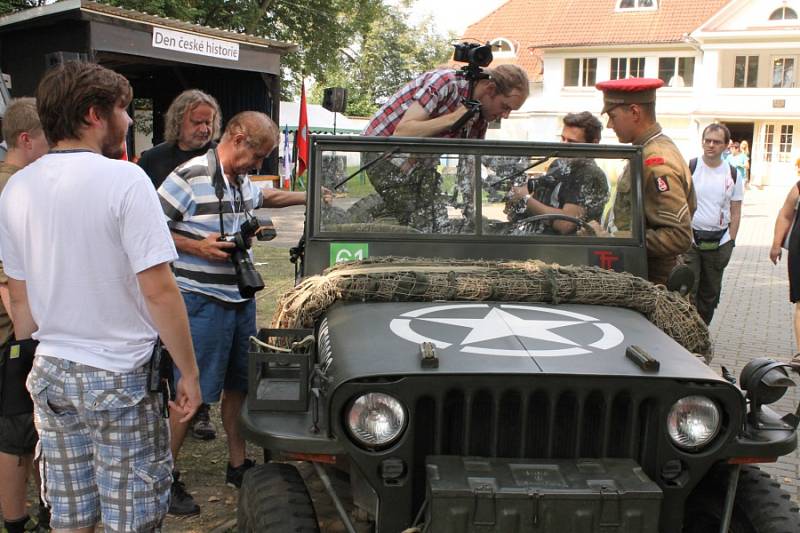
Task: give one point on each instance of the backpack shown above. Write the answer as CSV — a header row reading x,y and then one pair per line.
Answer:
x,y
693,165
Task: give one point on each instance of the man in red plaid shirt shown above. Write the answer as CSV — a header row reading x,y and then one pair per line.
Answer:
x,y
430,106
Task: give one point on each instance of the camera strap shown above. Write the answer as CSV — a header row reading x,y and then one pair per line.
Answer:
x,y
220,185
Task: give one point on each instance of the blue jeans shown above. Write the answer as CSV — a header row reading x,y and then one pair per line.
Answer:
x,y
221,337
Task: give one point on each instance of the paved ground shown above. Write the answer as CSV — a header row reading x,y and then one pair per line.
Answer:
x,y
754,318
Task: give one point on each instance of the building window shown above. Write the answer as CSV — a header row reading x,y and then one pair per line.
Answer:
x,y
503,47
676,71
785,146
783,13
580,72
627,67
783,72
746,71
769,139
637,4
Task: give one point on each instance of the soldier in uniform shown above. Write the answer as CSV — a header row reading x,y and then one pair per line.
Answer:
x,y
669,198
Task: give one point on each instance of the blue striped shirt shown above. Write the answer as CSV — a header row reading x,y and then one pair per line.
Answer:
x,y
192,209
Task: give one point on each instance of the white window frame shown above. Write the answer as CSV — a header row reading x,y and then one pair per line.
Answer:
x,y
746,71
794,71
582,61
503,53
784,18
688,84
785,143
769,143
636,6
627,62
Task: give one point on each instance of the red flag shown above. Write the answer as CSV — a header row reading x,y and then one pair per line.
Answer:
x,y
302,133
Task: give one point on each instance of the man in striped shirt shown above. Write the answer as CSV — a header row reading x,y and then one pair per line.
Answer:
x,y
221,320
431,106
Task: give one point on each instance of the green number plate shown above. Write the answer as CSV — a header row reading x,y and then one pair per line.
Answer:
x,y
342,252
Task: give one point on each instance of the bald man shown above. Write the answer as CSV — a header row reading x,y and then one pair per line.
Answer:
x,y
221,319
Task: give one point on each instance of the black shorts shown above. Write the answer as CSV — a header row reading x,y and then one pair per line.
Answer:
x,y
17,434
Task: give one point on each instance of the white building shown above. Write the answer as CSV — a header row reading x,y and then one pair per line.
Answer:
x,y
729,61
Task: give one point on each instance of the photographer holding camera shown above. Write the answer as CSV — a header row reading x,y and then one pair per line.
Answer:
x,y
440,103
209,201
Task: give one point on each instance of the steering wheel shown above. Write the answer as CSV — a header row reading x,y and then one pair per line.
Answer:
x,y
580,223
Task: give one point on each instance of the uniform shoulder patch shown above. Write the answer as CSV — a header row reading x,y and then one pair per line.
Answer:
x,y
653,161
662,185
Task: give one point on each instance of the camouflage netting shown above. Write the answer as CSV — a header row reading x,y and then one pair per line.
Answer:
x,y
402,279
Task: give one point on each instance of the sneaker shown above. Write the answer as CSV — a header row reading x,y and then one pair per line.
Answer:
x,y
234,476
202,428
181,503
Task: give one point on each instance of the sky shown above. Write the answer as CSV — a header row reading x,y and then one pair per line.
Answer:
x,y
453,15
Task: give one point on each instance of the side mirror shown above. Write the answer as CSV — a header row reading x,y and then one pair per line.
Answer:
x,y
681,280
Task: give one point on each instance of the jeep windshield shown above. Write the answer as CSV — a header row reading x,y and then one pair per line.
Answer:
x,y
473,199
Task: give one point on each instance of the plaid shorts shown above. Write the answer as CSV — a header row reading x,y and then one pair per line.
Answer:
x,y
104,446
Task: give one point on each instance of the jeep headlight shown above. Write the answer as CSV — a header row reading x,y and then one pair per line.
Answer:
x,y
376,419
693,422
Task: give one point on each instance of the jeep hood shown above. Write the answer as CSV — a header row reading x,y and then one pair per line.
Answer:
x,y
383,339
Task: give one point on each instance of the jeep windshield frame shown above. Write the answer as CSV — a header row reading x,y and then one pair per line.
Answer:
x,y
322,239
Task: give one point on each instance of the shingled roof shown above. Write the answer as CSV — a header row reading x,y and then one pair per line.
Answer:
x,y
536,24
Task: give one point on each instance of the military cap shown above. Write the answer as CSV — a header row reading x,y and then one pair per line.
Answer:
x,y
628,91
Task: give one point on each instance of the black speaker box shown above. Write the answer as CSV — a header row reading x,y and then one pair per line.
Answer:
x,y
335,99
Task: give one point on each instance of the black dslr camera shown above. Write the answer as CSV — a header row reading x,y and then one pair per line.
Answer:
x,y
473,53
247,277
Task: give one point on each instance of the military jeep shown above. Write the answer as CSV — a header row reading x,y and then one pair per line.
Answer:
x,y
509,373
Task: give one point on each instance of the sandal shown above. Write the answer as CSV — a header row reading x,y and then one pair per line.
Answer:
x,y
795,361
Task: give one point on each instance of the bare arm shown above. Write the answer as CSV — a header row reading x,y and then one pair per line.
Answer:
x,y
782,224
536,207
278,198
417,123
209,248
168,311
24,325
5,297
736,217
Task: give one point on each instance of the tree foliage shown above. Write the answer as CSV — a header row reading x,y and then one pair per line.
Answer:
x,y
384,57
364,45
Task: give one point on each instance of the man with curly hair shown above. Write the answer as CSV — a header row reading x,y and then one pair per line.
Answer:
x,y
191,126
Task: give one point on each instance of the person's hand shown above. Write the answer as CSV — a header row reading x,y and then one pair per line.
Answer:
x,y
518,193
599,231
327,196
212,249
775,254
188,398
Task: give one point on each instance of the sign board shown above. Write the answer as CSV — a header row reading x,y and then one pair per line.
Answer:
x,y
195,44
342,252
779,104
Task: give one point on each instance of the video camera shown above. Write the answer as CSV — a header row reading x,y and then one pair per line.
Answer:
x,y
247,277
473,53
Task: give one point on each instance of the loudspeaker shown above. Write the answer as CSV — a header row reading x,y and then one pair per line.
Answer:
x,y
56,58
335,99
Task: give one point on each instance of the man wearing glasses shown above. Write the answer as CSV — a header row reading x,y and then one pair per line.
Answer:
x,y
669,198
716,222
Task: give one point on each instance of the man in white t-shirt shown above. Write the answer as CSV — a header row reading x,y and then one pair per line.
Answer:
x,y
716,221
88,254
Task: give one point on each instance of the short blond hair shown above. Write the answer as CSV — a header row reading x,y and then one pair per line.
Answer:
x,y
20,117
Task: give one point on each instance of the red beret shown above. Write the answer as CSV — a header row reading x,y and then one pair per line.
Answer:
x,y
628,91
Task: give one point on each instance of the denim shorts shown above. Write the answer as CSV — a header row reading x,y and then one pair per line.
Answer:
x,y
221,337
104,446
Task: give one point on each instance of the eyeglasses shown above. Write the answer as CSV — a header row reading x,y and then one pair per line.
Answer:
x,y
713,142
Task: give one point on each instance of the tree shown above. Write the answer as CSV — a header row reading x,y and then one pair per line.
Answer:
x,y
11,6
384,57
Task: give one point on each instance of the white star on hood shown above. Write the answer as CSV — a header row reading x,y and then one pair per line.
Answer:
x,y
498,324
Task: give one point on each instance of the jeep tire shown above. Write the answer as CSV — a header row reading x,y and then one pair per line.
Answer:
x,y
761,506
274,499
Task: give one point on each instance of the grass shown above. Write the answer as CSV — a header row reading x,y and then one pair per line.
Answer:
x,y
273,264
